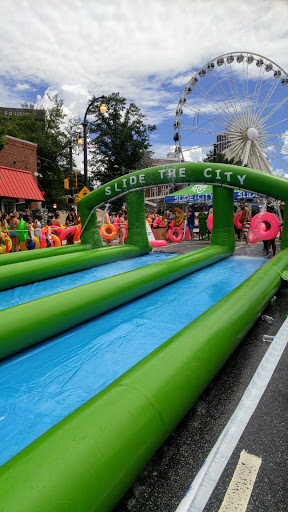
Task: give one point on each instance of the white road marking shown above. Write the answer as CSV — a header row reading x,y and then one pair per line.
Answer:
x,y
239,491
200,490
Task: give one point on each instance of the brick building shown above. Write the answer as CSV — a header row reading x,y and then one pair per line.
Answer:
x,y
19,187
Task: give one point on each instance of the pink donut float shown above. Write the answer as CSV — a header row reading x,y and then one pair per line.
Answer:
x,y
175,235
66,232
259,230
58,229
210,222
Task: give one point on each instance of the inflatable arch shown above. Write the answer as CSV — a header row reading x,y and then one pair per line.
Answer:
x,y
88,460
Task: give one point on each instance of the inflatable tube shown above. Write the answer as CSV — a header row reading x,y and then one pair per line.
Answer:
x,y
23,245
57,229
5,243
109,231
56,241
175,235
22,231
179,217
237,218
71,230
158,243
77,233
259,229
210,222
187,234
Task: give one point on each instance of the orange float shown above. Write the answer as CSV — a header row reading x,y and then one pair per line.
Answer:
x,y
108,231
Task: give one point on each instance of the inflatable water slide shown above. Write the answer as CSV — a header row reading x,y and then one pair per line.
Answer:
x,y
88,458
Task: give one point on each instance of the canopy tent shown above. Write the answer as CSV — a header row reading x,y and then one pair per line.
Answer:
x,y
196,193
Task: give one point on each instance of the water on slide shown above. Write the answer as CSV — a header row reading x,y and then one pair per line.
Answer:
x,y
42,385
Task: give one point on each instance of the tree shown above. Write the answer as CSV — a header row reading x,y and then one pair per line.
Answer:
x,y
121,139
222,159
52,141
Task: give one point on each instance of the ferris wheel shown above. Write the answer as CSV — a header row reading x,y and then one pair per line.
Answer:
x,y
237,105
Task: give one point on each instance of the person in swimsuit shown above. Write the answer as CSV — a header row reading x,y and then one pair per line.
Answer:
x,y
245,221
121,229
14,232
56,220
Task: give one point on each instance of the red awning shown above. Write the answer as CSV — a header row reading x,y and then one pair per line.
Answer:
x,y
20,184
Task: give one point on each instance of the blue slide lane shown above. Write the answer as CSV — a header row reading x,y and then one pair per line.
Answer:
x,y
26,293
46,383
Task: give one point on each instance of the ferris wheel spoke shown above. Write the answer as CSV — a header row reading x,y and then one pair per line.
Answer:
x,y
278,122
265,102
214,103
275,109
230,81
278,160
221,91
277,146
256,92
204,114
202,130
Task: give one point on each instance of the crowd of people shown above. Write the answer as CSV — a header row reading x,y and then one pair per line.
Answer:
x,y
190,218
9,224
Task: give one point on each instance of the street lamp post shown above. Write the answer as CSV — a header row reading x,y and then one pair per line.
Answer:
x,y
103,109
71,168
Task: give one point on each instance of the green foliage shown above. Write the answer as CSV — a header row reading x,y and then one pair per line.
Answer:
x,y
221,158
52,146
122,139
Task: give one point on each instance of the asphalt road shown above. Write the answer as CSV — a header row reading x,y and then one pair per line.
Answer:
x,y
166,478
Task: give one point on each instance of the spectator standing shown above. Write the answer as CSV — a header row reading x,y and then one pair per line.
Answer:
x,y
37,227
14,222
191,221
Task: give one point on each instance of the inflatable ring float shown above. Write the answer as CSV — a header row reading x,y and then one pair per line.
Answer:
x,y
22,231
23,245
3,246
56,229
237,218
179,217
77,233
109,231
175,235
56,240
67,231
210,222
259,230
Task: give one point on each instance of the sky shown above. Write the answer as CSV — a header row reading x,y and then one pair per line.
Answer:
x,y
147,50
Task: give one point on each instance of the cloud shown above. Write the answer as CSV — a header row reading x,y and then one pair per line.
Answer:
x,y
147,51
194,154
22,87
82,45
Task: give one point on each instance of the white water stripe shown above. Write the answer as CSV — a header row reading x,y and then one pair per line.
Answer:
x,y
240,488
205,481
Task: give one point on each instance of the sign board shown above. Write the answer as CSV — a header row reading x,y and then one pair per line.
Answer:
x,y
83,192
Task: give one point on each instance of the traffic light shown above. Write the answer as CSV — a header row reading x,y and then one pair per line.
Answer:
x,y
66,184
70,200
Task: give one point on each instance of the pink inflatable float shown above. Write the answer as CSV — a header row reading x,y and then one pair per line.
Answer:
x,y
260,231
